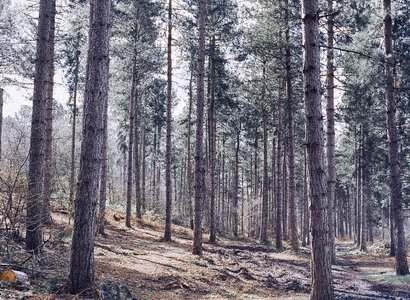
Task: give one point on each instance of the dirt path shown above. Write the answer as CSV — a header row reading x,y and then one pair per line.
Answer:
x,y
234,269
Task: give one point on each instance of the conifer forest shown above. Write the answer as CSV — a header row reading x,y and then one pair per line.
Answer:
x,y
207,149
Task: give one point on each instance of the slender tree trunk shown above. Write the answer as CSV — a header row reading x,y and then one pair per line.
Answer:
x,y
402,267
188,159
143,185
168,154
291,140
359,190
137,157
73,129
305,234
322,286
197,244
130,147
235,189
96,95
364,191
278,227
212,142
330,116
265,193
48,151
38,126
104,174
1,117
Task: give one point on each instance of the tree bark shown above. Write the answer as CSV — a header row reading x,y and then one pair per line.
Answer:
x,y
265,193
73,130
330,116
235,190
291,140
322,286
402,267
197,244
130,146
168,154
212,144
96,96
278,227
104,170
1,117
48,150
35,196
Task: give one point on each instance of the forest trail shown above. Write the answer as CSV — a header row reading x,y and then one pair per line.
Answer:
x,y
234,269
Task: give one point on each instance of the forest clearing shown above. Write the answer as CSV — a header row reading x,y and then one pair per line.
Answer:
x,y
150,268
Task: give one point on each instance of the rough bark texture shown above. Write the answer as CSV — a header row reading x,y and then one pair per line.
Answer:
x,y
322,286
291,141
48,150
38,125
235,188
104,171
197,245
130,148
265,193
330,116
402,267
96,93
168,182
212,144
1,116
364,191
73,129
278,227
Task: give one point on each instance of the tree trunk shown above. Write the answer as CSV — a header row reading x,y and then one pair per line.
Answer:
x,y
104,171
96,95
278,227
235,189
365,191
265,193
212,143
48,150
322,286
188,159
197,244
73,130
291,140
38,127
1,116
168,154
330,116
402,267
130,146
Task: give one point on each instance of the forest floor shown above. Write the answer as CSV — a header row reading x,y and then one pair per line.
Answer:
x,y
137,261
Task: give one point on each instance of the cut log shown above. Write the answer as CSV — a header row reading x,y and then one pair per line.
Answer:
x,y
14,276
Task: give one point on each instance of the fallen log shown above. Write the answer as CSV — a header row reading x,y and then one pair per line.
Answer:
x,y
14,276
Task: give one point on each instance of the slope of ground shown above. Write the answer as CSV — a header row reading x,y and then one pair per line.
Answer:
x,y
138,262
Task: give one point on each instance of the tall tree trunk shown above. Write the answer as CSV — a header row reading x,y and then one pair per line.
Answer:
x,y
330,116
1,116
137,157
278,227
402,267
48,150
364,191
322,286
96,96
188,159
197,244
265,193
73,130
104,174
291,140
38,126
130,146
305,233
143,162
168,154
359,189
212,142
235,190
